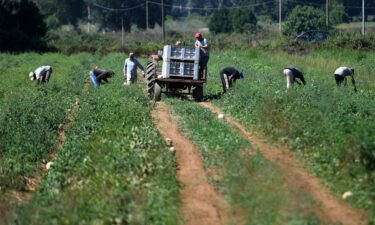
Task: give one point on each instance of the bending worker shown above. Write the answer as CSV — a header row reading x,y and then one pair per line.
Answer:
x,y
98,75
291,73
130,69
341,73
41,74
228,76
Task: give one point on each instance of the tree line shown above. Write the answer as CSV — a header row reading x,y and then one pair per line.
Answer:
x,y
24,22
59,12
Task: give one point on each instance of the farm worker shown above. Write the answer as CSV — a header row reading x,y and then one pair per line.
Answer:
x,y
291,73
130,69
341,73
204,48
98,75
228,76
41,74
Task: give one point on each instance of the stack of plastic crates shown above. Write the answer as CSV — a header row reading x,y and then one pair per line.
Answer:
x,y
180,62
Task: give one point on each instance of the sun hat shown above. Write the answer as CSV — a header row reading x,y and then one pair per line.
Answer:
x,y
198,35
32,76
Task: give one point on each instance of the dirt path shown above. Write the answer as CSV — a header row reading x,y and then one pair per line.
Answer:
x,y
201,204
330,208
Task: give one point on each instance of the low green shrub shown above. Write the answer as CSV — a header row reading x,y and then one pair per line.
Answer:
x,y
351,41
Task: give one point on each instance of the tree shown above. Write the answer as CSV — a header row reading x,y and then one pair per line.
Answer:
x,y
338,14
220,21
21,26
62,11
243,20
304,18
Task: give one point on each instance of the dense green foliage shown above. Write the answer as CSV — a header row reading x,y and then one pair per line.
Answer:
x,y
338,15
243,20
114,167
331,128
21,26
30,115
97,43
240,20
220,21
350,41
62,11
304,18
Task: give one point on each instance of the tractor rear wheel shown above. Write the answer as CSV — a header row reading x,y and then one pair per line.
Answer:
x,y
150,78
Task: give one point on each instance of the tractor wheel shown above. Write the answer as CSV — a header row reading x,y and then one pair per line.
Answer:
x,y
198,93
157,92
151,70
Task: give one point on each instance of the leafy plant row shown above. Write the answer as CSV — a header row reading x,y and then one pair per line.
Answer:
x,y
114,167
331,128
30,115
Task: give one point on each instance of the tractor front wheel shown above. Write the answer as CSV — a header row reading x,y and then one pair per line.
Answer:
x,y
198,93
157,92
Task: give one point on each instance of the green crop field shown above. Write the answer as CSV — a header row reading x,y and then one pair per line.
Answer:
x,y
332,129
114,167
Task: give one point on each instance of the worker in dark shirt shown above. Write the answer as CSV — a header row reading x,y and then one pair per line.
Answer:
x,y
228,76
291,73
98,75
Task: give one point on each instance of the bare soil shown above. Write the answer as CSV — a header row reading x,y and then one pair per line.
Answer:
x,y
201,203
330,208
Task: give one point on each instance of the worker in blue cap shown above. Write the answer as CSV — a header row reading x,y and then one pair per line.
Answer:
x,y
228,76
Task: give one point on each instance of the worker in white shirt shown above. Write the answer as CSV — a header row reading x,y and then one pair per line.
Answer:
x,y
341,73
130,69
42,74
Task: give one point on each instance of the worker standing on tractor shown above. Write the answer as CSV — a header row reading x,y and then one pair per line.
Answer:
x,y
341,73
41,74
204,48
228,76
130,69
291,73
98,75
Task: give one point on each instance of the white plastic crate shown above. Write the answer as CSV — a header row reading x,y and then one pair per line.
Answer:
x,y
181,53
174,69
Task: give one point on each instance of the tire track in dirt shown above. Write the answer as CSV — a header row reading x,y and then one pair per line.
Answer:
x,y
330,208
201,203
32,184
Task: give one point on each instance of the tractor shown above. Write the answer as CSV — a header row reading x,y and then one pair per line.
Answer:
x,y
179,73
